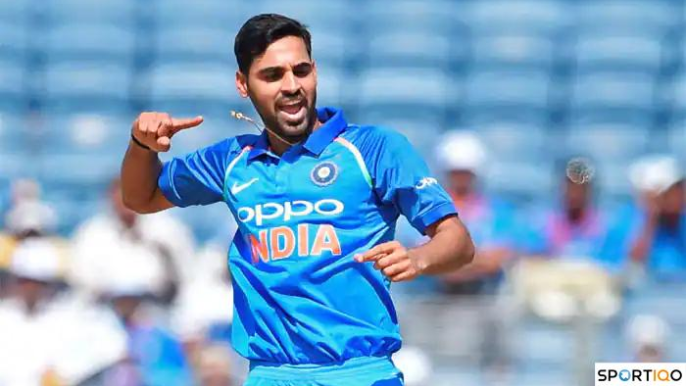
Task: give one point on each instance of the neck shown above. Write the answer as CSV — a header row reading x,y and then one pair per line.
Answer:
x,y
280,145
576,215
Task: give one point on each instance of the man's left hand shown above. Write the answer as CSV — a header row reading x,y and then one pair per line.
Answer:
x,y
393,259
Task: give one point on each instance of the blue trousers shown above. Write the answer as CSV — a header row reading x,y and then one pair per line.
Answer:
x,y
354,372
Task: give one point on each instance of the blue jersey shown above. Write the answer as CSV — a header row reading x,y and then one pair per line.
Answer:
x,y
299,296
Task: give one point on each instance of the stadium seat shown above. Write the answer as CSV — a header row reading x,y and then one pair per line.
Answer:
x,y
15,41
80,86
678,96
14,135
613,96
497,95
334,49
330,86
654,16
532,16
197,44
521,181
16,11
193,89
676,141
98,43
86,134
227,15
608,143
640,53
13,96
439,17
102,12
66,172
405,91
515,141
513,51
421,48
340,15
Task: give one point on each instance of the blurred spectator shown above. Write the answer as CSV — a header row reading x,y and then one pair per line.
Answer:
x,y
653,232
490,221
154,353
215,367
27,215
574,228
648,336
121,240
46,335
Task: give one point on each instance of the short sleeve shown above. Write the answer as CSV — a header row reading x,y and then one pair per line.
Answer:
x,y
402,178
197,178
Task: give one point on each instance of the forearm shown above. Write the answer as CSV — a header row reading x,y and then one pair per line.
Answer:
x,y
641,247
450,248
139,174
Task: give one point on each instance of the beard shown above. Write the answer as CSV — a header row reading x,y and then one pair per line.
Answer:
x,y
293,126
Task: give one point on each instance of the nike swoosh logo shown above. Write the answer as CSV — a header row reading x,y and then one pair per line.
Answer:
x,y
235,189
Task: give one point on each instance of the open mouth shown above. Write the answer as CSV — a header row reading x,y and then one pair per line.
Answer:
x,y
293,111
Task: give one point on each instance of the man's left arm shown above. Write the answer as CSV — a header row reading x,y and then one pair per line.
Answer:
x,y
449,248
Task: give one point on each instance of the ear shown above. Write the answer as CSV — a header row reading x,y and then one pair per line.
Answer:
x,y
242,84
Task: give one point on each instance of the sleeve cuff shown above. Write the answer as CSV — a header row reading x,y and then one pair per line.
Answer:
x,y
166,185
430,217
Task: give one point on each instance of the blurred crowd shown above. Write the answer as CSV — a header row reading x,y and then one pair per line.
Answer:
x,y
132,300
126,300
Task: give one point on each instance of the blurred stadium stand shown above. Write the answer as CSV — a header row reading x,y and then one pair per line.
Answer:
x,y
537,79
520,72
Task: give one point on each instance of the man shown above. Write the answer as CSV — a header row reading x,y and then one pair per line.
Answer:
x,y
490,220
119,240
316,200
653,233
574,228
47,334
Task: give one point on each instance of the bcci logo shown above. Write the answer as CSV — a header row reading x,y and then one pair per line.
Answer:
x,y
324,173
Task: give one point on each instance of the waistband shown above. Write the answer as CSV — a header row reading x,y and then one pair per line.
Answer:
x,y
353,366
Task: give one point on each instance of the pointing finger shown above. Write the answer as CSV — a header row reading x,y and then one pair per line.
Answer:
x,y
179,124
375,253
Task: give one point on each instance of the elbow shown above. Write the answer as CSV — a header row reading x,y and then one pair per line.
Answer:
x,y
466,254
135,205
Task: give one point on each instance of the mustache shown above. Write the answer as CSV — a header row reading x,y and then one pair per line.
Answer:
x,y
300,97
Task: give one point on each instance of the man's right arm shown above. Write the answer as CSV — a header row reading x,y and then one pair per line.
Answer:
x,y
142,167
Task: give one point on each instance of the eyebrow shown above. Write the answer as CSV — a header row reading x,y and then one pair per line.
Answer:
x,y
273,69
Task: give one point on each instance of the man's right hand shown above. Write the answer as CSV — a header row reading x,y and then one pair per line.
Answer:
x,y
156,130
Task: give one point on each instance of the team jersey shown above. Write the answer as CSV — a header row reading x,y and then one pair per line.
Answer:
x,y
299,296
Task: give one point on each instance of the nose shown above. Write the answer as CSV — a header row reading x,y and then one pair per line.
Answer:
x,y
290,84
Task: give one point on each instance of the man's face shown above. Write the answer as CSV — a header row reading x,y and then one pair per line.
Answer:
x,y
282,84
462,182
672,200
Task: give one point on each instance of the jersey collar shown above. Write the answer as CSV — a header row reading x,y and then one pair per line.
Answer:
x,y
333,124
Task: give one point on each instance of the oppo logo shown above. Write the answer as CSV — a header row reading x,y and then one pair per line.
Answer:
x,y
288,210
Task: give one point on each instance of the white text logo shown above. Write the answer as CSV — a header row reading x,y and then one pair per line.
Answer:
x,y
426,181
288,210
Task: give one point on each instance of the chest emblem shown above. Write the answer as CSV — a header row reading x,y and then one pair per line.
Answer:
x,y
324,173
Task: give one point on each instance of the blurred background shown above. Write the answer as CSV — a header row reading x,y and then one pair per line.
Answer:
x,y
577,262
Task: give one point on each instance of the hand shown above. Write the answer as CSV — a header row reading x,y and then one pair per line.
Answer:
x,y
393,259
155,130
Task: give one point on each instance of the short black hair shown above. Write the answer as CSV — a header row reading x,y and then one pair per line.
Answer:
x,y
262,30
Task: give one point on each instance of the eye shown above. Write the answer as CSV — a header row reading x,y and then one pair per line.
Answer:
x,y
272,75
302,70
